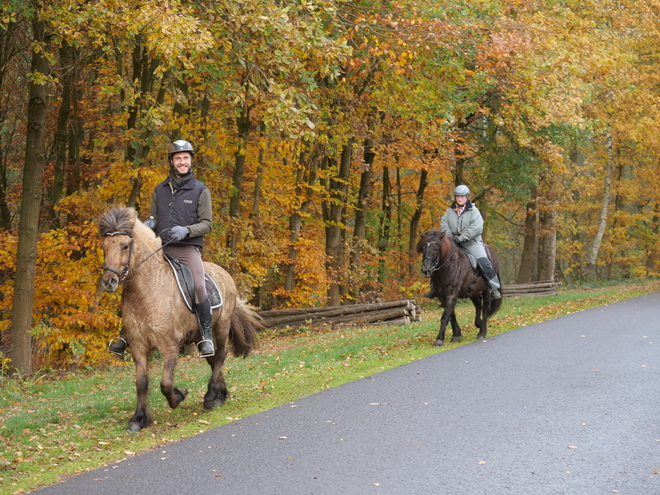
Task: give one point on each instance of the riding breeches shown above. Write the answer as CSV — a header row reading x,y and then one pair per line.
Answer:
x,y
479,251
191,256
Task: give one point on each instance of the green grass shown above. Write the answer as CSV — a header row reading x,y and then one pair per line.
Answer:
x,y
53,427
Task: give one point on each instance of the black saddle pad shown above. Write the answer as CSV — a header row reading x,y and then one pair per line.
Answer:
x,y
184,281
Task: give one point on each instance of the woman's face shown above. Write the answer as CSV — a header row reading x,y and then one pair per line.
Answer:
x,y
460,200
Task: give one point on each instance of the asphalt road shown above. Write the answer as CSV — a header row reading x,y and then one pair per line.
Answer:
x,y
569,406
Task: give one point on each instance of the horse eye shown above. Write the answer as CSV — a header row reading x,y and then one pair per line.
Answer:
x,y
125,248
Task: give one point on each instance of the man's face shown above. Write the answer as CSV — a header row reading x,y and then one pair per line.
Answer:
x,y
460,200
182,162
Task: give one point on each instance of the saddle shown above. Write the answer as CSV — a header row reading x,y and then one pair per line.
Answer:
x,y
473,263
186,284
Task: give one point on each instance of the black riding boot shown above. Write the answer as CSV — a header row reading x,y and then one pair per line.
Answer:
x,y
118,345
491,277
205,319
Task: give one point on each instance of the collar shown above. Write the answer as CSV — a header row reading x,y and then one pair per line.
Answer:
x,y
468,206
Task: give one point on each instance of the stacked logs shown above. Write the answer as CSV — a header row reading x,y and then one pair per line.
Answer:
x,y
393,312
542,288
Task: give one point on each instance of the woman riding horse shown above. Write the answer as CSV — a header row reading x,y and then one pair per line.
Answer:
x,y
463,223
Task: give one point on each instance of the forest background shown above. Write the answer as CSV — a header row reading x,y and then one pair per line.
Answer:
x,y
331,134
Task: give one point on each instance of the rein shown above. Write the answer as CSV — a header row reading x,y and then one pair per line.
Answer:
x,y
124,273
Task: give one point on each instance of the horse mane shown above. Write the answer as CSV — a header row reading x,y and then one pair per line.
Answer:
x,y
437,236
124,219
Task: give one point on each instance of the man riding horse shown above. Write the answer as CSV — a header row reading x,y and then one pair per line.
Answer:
x,y
463,223
181,215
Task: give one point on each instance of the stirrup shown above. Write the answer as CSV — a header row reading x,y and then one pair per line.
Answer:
x,y
205,354
120,341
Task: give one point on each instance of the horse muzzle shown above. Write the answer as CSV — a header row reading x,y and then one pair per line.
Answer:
x,y
109,281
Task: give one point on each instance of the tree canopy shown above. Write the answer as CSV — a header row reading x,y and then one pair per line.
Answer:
x,y
331,134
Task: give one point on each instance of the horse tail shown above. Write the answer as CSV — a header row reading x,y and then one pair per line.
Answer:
x,y
244,325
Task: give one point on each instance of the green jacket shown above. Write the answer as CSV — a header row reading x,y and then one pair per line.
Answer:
x,y
468,226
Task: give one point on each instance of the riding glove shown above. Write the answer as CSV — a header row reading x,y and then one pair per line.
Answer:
x,y
150,223
179,233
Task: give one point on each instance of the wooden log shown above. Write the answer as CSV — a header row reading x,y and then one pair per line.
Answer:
x,y
364,317
350,308
533,285
313,317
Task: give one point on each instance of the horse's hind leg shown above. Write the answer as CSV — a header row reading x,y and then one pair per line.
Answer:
x,y
477,308
173,395
483,328
141,418
217,392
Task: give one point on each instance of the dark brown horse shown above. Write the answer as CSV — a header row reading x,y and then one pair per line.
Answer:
x,y
453,278
155,315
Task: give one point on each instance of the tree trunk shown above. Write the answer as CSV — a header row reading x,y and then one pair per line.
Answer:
x,y
385,223
333,242
243,125
549,228
8,50
361,209
62,132
609,168
530,245
304,188
28,229
414,221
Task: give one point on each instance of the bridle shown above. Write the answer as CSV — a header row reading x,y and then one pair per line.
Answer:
x,y
435,259
124,273
123,276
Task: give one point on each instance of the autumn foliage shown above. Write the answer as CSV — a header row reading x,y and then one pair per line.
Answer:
x,y
331,134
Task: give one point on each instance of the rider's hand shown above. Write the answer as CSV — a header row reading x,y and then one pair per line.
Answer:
x,y
179,233
150,223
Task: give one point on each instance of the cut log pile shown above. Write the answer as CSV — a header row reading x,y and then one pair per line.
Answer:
x,y
392,312
542,288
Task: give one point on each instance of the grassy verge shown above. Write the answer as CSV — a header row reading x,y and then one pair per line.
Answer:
x,y
55,427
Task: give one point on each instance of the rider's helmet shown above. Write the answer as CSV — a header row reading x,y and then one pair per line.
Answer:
x,y
462,191
178,147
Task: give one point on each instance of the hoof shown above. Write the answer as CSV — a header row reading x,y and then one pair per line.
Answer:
x,y
133,427
455,339
438,343
210,404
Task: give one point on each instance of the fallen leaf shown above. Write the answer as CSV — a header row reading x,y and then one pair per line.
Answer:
x,y
572,447
482,462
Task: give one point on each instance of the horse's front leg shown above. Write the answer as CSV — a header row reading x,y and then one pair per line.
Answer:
x,y
449,304
455,327
173,395
141,418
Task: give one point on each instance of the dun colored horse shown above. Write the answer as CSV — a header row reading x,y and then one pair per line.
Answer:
x,y
155,315
454,278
